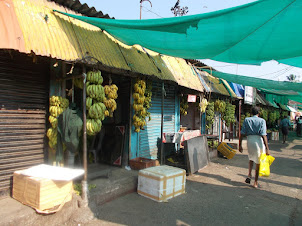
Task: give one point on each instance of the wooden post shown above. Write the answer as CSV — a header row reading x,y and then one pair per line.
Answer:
x,y
84,182
239,133
162,124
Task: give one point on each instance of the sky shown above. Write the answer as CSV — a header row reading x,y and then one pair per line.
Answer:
x,y
130,9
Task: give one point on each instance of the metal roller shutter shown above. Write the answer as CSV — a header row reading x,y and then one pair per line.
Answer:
x,y
149,138
23,107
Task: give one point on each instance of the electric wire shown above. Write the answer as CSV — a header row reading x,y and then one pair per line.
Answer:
x,y
148,10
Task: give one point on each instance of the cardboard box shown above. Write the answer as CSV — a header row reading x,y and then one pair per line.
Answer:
x,y
161,183
40,193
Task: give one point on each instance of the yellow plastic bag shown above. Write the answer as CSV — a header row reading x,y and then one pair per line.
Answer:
x,y
265,162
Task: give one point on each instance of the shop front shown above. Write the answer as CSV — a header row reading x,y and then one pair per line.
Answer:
x,y
23,110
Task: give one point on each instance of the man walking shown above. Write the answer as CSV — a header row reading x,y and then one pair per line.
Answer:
x,y
284,125
255,130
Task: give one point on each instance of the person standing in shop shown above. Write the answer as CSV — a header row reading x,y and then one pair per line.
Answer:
x,y
255,129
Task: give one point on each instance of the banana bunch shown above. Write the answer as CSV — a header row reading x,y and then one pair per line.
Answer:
x,y
277,114
140,87
52,134
184,106
220,106
53,121
95,77
141,103
203,105
59,102
97,111
148,97
210,115
57,105
139,122
93,126
94,102
264,114
284,113
111,91
55,111
96,92
229,115
110,97
78,82
272,116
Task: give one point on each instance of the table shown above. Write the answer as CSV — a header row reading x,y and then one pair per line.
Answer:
x,y
180,137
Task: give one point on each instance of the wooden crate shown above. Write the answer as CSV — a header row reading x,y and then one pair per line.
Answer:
x,y
40,193
161,183
142,163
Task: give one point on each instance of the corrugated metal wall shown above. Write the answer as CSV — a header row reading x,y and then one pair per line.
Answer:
x,y
23,102
149,138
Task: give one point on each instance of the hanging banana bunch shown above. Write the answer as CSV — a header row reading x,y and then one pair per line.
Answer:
x,y
220,106
203,105
109,100
57,106
94,102
142,95
78,82
229,116
210,115
184,106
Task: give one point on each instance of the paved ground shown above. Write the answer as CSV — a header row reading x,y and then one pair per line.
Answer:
x,y
216,195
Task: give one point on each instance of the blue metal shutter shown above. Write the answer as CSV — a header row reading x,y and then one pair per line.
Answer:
x,y
149,138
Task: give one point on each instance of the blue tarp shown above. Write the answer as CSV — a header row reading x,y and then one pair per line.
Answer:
x,y
238,89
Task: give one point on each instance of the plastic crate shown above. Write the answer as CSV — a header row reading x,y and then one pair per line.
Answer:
x,y
226,150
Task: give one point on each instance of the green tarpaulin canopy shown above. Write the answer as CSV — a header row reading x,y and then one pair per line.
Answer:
x,y
280,90
249,34
289,88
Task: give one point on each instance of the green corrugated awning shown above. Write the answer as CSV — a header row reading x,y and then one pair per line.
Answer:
x,y
216,85
260,100
272,104
284,107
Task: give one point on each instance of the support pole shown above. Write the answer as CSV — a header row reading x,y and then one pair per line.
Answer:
x,y
239,133
162,124
84,181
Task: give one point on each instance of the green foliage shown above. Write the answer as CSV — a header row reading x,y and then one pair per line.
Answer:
x,y
78,188
210,115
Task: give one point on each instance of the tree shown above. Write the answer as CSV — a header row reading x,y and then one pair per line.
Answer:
x,y
292,78
179,11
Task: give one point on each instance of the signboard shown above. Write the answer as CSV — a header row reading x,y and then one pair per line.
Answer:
x,y
192,98
249,95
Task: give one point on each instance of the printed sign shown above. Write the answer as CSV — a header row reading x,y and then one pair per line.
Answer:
x,y
249,95
192,98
